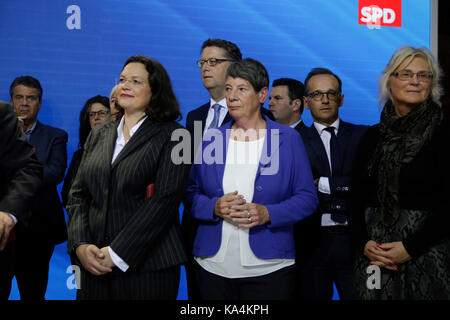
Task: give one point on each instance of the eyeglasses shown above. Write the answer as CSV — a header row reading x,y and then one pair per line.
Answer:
x,y
406,75
211,62
331,95
133,82
101,114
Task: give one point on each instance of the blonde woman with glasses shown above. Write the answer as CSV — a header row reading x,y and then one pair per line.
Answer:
x,y
401,183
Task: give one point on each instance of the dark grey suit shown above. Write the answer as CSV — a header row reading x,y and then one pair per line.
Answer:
x,y
107,207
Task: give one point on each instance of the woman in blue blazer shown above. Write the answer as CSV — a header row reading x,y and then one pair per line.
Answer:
x,y
250,182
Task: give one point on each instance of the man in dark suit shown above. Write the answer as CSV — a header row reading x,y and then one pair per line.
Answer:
x,y
217,55
47,226
324,253
20,176
286,102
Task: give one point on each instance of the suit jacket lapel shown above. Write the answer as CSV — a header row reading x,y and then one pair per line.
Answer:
x,y
343,139
318,148
147,130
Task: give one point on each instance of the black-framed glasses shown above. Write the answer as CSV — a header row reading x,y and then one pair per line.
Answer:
x,y
211,62
331,95
406,75
101,113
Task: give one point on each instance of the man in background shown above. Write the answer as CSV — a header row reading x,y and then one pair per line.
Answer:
x,y
20,177
286,102
47,226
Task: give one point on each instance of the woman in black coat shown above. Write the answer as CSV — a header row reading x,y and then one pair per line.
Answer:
x,y
401,187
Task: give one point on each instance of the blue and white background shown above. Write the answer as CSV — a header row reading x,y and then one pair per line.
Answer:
x,y
77,48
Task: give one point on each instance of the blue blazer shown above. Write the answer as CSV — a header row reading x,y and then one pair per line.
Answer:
x,y
47,218
283,183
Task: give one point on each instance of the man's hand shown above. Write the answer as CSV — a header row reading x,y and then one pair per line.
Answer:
x,y
6,225
90,257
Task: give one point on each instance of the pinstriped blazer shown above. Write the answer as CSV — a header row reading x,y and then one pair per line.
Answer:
x,y
106,205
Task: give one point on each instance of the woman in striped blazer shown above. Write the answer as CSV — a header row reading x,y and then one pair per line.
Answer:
x,y
125,237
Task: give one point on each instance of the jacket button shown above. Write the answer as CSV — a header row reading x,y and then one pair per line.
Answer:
x,y
259,188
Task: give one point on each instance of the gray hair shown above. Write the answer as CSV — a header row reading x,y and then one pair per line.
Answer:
x,y
407,54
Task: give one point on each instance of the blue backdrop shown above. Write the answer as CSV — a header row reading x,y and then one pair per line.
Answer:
x,y
77,48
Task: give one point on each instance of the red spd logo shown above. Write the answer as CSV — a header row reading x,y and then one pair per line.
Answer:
x,y
376,13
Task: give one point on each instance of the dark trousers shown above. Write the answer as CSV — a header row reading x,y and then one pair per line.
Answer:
x,y
117,285
189,229
29,262
278,285
331,262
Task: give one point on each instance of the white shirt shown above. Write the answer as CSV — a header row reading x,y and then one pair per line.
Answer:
x,y
210,117
120,144
235,258
324,184
295,124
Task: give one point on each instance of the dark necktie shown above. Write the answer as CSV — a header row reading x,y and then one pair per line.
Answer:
x,y
215,123
335,168
334,153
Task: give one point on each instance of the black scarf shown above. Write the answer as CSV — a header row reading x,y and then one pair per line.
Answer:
x,y
401,138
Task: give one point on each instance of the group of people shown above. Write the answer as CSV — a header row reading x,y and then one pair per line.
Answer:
x,y
273,209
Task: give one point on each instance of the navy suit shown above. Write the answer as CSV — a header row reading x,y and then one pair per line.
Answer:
x,y
47,225
324,254
188,224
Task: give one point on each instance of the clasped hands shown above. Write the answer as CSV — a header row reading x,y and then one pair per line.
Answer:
x,y
387,255
96,261
233,208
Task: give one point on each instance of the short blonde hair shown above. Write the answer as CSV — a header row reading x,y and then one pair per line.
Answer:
x,y
407,54
113,91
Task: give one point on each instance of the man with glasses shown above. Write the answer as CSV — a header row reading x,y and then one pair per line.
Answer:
x,y
324,254
47,227
217,55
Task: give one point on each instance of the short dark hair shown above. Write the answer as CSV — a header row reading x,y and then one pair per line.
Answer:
x,y
251,70
27,81
85,125
163,106
318,71
296,89
231,49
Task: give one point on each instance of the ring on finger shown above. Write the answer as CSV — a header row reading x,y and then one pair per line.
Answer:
x,y
249,219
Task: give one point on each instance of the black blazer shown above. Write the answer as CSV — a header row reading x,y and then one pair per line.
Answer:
x,y
47,218
348,137
20,171
107,204
301,127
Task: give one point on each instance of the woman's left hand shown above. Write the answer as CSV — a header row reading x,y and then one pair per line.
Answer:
x,y
394,251
249,215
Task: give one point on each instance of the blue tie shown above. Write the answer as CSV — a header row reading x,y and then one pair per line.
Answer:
x,y
335,168
215,123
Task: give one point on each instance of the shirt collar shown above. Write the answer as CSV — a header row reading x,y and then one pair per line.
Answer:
x,y
223,103
120,136
30,131
320,127
295,124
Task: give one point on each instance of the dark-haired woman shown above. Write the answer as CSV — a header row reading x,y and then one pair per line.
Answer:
x,y
95,111
123,206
